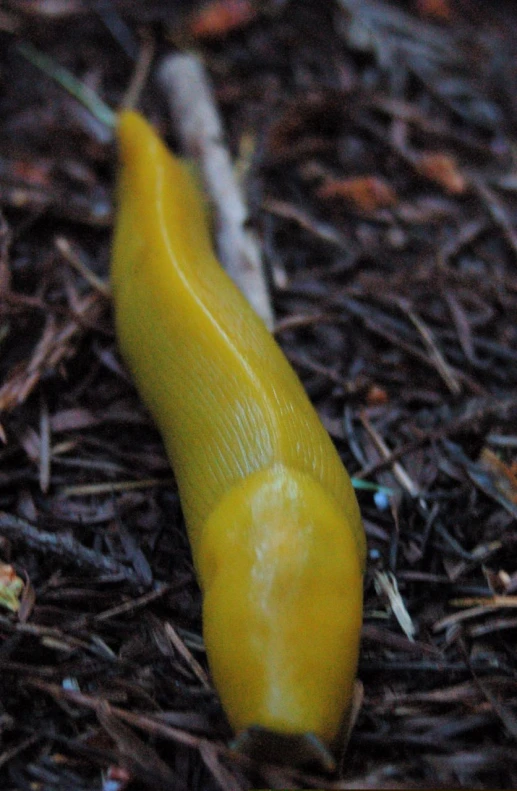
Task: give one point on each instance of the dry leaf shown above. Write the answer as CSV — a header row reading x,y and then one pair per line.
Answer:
x,y
439,10
376,395
504,476
11,587
442,169
220,17
367,193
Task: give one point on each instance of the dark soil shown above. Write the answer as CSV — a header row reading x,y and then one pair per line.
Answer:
x,y
378,145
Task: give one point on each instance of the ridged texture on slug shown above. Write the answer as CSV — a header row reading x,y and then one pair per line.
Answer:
x,y
272,517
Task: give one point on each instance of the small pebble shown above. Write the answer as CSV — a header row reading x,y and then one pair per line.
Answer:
x,y
381,500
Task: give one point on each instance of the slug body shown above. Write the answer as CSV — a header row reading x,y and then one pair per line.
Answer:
x,y
272,518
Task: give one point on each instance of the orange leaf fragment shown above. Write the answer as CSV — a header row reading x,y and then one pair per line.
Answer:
x,y
440,10
367,193
34,173
376,395
444,170
505,476
219,17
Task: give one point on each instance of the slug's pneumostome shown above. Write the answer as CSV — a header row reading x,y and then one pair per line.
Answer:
x,y
272,518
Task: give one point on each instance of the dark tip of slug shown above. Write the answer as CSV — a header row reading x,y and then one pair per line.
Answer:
x,y
300,750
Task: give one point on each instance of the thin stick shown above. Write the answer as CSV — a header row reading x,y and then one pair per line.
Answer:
x,y
182,649
441,364
192,107
398,470
67,251
496,210
144,722
112,486
140,74
45,452
62,545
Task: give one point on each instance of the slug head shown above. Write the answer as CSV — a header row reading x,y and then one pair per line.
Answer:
x,y
282,605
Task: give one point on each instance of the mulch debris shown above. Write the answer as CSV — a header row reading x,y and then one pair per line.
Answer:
x,y
376,142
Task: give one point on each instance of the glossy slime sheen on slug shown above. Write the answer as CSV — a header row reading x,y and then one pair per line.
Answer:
x,y
272,518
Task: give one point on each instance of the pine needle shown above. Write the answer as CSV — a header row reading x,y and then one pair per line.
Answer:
x,y
75,87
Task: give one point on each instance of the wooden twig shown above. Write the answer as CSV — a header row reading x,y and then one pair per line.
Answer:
x,y
73,257
497,211
140,74
199,126
435,354
187,655
146,723
400,473
45,452
64,546
107,487
56,344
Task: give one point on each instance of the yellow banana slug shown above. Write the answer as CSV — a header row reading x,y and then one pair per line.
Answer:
x,y
272,518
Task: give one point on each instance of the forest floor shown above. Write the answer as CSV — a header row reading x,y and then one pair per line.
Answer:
x,y
377,146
